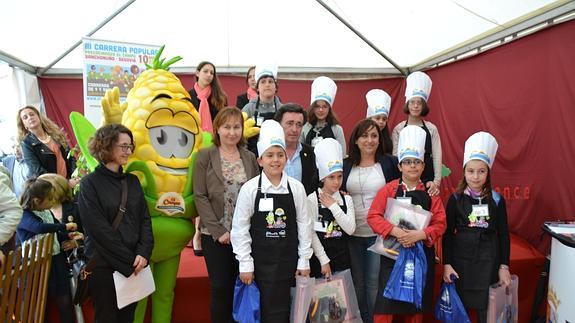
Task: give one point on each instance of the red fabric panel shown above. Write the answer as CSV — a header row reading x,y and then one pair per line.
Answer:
x,y
520,92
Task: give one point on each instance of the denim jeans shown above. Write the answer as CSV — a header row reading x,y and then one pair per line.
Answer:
x,y
365,274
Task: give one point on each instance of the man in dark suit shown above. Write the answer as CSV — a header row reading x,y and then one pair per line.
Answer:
x,y
301,159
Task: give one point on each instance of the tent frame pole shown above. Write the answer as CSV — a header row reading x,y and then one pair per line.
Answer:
x,y
102,24
360,35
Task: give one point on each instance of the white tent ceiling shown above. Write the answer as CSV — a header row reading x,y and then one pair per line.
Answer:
x,y
301,35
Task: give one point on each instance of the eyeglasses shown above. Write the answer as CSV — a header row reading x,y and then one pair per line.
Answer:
x,y
410,162
126,147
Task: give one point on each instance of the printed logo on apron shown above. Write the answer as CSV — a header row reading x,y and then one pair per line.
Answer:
x,y
276,224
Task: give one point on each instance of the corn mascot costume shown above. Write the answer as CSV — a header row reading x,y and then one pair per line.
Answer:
x,y
167,134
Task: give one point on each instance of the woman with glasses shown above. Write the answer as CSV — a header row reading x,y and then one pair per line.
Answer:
x,y
417,93
365,172
126,249
409,189
321,120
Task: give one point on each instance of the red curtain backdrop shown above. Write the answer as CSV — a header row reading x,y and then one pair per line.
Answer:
x,y
523,93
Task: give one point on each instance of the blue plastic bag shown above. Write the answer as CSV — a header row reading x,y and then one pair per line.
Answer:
x,y
449,307
246,302
407,279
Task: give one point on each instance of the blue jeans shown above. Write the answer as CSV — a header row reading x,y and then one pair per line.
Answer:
x,y
365,274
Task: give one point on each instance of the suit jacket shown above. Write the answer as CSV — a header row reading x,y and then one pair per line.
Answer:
x,y
309,172
209,186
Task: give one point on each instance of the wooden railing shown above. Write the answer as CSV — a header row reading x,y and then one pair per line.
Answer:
x,y
24,282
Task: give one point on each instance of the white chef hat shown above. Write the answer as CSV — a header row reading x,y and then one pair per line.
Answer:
x,y
271,134
480,146
418,85
378,102
411,143
328,157
266,70
323,88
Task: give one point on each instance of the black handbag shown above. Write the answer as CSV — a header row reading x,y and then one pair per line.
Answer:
x,y
81,296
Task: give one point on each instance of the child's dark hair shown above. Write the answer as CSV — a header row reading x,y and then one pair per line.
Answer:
x,y
486,194
35,188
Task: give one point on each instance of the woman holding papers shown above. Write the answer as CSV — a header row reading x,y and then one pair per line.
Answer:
x,y
126,249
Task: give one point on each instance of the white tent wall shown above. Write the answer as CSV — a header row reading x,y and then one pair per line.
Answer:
x,y
17,89
297,34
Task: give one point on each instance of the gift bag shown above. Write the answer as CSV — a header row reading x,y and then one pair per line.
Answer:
x,y
503,304
246,302
405,216
449,307
407,279
334,300
302,294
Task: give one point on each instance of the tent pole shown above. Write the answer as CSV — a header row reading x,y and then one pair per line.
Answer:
x,y
367,41
102,24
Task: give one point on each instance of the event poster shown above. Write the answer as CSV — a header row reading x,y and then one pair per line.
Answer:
x,y
109,64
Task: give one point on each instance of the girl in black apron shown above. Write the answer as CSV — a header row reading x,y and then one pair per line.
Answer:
x,y
413,193
476,243
318,128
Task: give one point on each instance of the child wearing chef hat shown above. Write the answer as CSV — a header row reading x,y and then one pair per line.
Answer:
x,y
378,108
408,189
265,105
271,228
322,121
332,212
417,92
479,217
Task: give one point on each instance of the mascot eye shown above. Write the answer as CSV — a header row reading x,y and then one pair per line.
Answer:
x,y
172,142
162,138
183,141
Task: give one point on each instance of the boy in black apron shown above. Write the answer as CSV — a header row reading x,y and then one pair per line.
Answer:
x,y
476,243
409,189
271,229
332,213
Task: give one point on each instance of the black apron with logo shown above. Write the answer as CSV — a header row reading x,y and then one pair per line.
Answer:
x,y
325,132
253,141
387,306
334,241
428,174
475,254
275,254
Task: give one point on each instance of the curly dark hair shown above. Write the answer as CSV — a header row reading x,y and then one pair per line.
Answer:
x,y
362,127
101,146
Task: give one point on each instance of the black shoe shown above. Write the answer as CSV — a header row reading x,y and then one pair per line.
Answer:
x,y
198,252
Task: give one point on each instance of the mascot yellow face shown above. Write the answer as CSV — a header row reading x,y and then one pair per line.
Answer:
x,y
165,125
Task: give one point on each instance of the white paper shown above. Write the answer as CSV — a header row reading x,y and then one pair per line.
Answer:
x,y
133,288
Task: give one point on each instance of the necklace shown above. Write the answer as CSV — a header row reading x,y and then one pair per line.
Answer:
x,y
229,155
46,139
362,184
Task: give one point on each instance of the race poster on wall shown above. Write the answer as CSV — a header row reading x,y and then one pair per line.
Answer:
x,y
109,64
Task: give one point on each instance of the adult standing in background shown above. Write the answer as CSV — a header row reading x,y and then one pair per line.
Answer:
x,y
267,103
301,163
417,93
365,172
209,98
219,173
17,169
252,90
322,121
44,145
378,108
207,94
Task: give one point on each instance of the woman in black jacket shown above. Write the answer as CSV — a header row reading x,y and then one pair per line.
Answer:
x,y
44,145
252,90
126,249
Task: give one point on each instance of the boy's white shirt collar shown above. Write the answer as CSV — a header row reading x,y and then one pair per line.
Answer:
x,y
266,184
